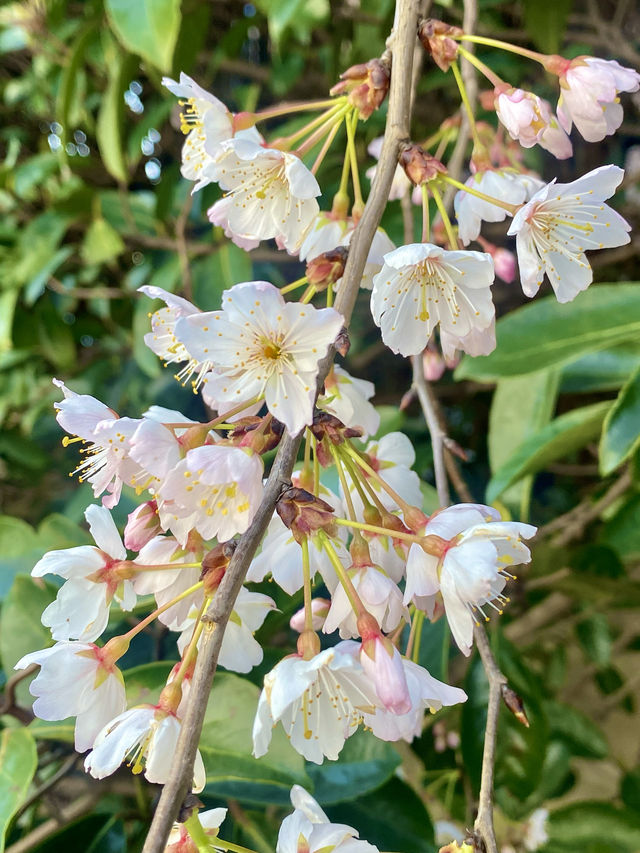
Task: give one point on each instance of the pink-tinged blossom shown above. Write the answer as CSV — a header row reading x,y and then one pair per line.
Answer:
x,y
388,554
144,737
320,703
384,666
379,594
142,525
162,339
207,123
319,609
347,398
105,438
215,490
270,193
308,830
180,841
472,571
422,286
94,576
559,224
505,185
76,680
589,90
476,342
425,691
263,345
240,651
530,120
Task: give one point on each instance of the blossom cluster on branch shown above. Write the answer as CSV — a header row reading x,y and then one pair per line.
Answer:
x,y
371,563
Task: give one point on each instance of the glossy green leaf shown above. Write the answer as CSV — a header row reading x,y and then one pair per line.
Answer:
x,y
299,16
101,243
591,823
521,406
30,175
111,115
621,429
605,370
594,636
365,764
147,27
622,531
218,271
562,436
546,333
391,818
576,730
18,762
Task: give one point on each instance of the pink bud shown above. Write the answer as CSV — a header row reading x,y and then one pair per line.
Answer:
x,y
382,663
142,525
319,609
504,261
432,364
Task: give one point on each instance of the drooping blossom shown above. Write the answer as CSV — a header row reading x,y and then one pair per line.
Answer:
x,y
76,680
421,286
207,123
144,737
308,830
589,90
180,841
215,489
379,594
472,571
94,576
559,224
105,438
384,665
347,397
425,691
476,342
263,345
240,651
270,193
320,703
529,119
506,185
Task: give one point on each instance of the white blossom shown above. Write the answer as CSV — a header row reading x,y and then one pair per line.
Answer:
x,y
347,397
379,594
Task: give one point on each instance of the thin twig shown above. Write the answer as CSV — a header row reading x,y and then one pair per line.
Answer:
x,y
8,703
483,825
397,128
62,771
435,431
66,815
86,292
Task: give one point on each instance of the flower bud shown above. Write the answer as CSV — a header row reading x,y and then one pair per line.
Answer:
x,y
381,661
419,165
319,609
435,38
326,269
515,704
215,564
260,434
304,513
142,525
342,343
367,85
433,365
329,430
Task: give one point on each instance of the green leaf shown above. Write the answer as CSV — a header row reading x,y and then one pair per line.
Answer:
x,y
593,823
31,174
111,114
606,370
18,762
365,764
576,730
594,635
148,28
146,360
55,339
559,438
226,743
101,243
8,301
622,532
521,406
391,818
18,550
219,271
473,721
67,89
546,333
300,16
545,21
621,429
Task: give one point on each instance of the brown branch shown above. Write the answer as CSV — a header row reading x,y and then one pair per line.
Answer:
x,y
85,292
397,128
8,704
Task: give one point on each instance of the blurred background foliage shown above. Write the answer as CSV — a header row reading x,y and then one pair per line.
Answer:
x,y
93,206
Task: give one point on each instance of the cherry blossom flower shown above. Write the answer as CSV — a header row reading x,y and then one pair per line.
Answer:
x,y
562,221
180,841
240,651
215,490
379,594
94,576
530,120
105,437
421,286
472,571
76,680
146,737
263,345
476,342
347,398
207,123
308,830
142,526
425,691
589,90
320,703
504,184
270,193
384,665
